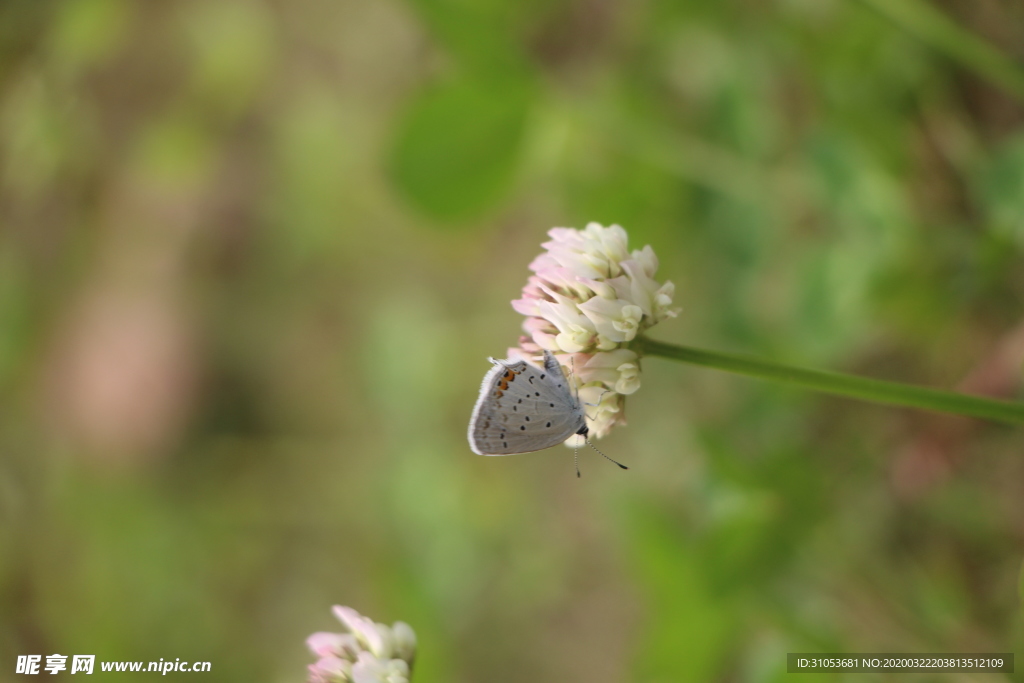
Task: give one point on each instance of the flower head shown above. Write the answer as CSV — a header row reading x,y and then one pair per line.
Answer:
x,y
588,299
369,653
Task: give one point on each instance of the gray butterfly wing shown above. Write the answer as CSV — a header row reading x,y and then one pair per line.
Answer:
x,y
523,408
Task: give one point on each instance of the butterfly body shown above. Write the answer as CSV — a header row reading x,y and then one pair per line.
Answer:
x,y
523,408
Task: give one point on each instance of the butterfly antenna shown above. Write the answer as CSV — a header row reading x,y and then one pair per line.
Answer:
x,y
576,457
605,456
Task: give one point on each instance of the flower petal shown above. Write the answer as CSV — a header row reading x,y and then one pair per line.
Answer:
x,y
365,631
405,641
617,320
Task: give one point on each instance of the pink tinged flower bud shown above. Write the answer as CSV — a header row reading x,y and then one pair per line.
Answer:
x,y
542,332
576,263
532,295
330,670
563,281
325,644
365,631
533,290
526,306
601,288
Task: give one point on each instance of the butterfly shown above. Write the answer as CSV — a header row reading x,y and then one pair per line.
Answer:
x,y
523,408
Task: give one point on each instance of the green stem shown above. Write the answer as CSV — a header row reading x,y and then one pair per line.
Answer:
x,y
851,386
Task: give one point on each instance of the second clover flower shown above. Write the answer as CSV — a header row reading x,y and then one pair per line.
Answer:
x,y
369,653
588,299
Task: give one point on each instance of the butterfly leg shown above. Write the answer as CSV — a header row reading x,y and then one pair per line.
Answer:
x,y
598,404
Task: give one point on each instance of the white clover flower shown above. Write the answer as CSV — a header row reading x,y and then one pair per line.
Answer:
x,y
588,299
369,653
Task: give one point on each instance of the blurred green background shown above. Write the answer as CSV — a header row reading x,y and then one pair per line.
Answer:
x,y
254,254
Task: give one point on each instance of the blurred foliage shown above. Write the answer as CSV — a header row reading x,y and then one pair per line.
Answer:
x,y
253,255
